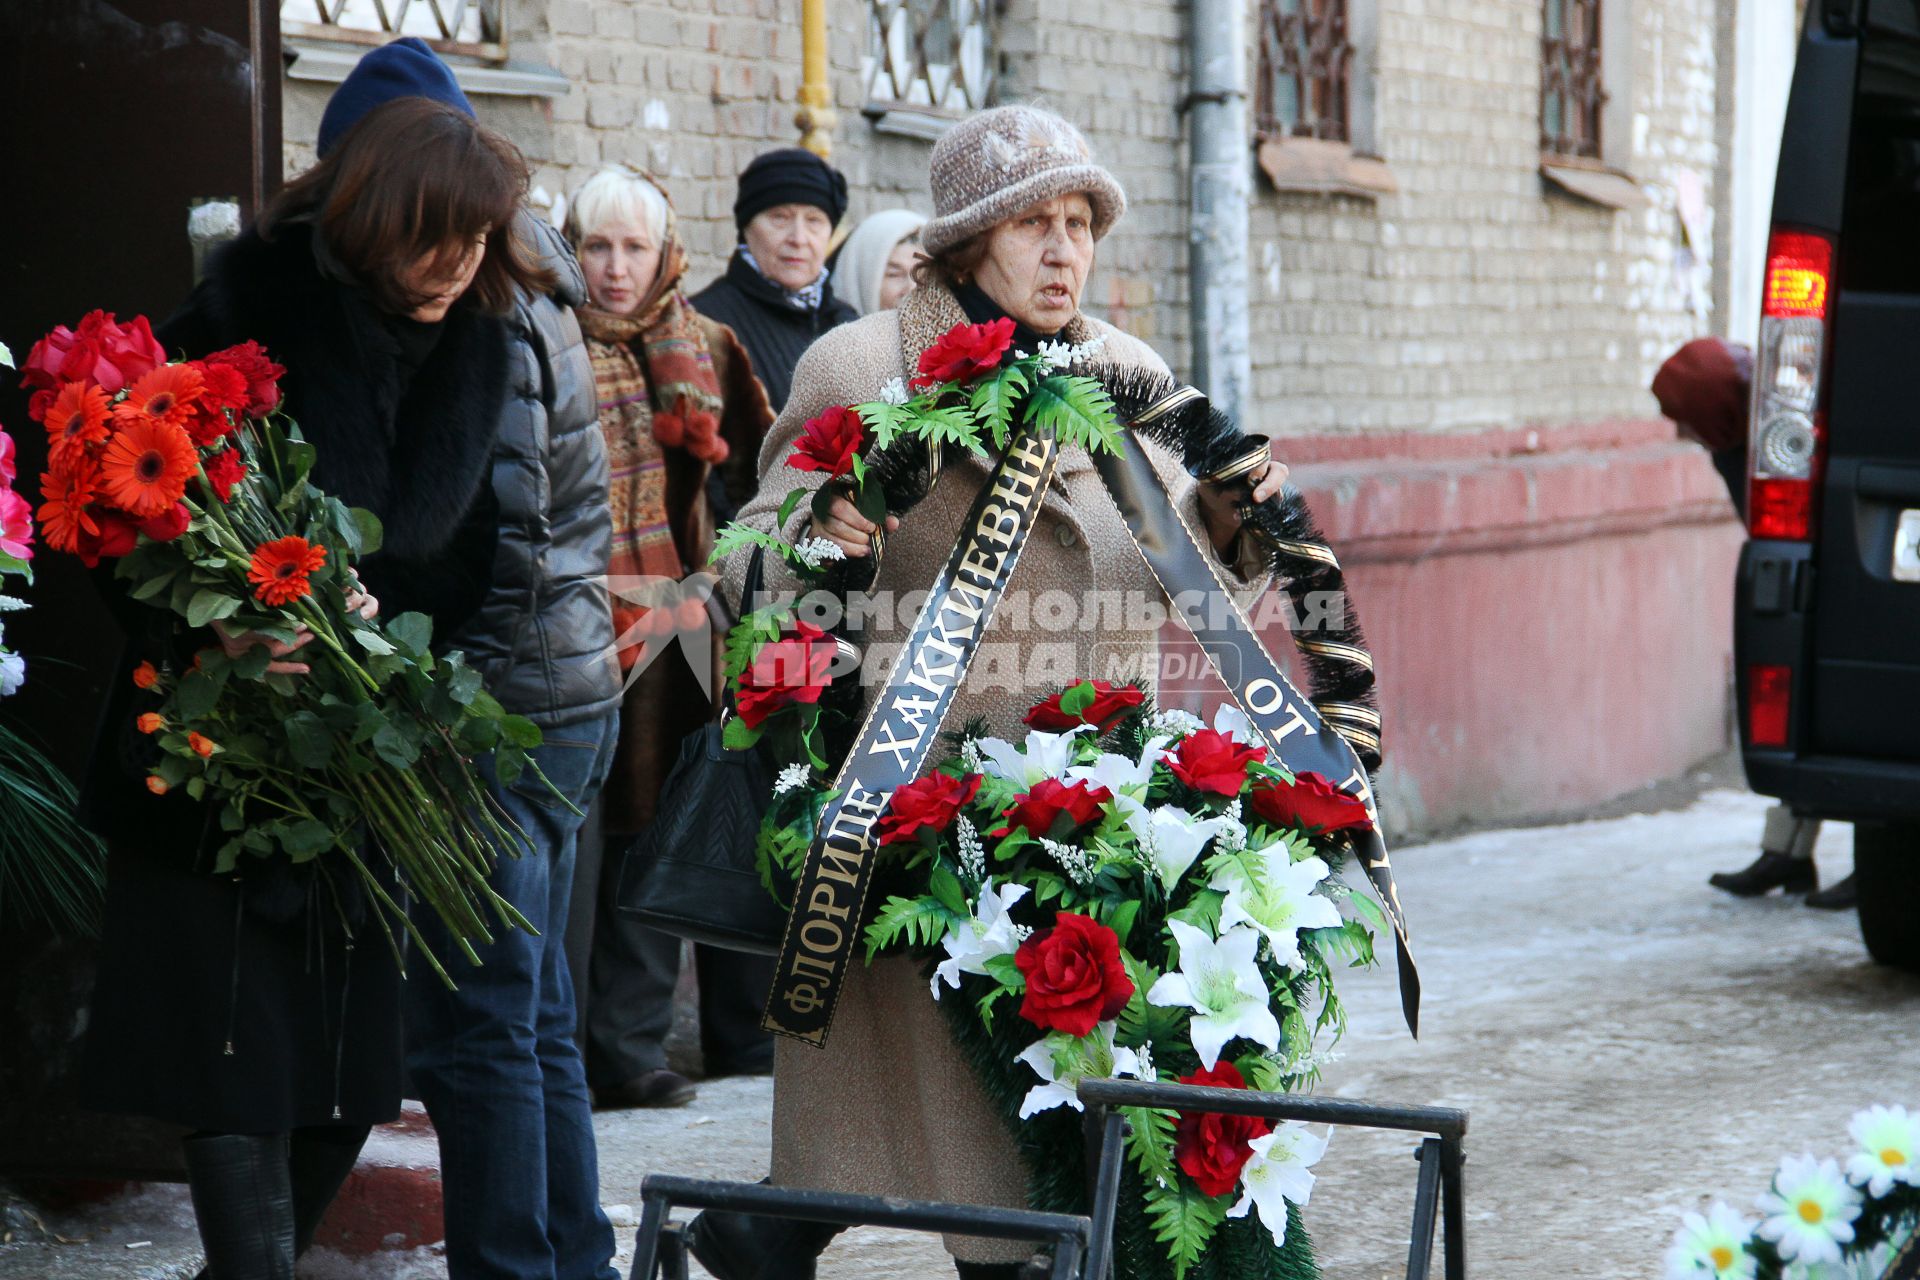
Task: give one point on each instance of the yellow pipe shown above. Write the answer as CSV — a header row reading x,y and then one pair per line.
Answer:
x,y
815,118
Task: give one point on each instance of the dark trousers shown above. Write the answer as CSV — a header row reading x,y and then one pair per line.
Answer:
x,y
634,970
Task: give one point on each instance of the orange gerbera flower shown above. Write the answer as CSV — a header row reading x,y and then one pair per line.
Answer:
x,y
146,467
279,570
202,745
66,492
150,722
167,395
77,419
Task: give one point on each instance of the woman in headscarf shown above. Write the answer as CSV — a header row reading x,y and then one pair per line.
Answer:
x,y
678,403
875,268
890,1106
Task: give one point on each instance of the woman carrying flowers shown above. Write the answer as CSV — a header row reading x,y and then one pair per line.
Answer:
x,y
889,1106
240,1006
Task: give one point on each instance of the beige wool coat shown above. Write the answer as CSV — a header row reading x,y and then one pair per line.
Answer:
x,y
888,1107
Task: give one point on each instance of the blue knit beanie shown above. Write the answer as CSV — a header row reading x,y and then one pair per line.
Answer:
x,y
406,68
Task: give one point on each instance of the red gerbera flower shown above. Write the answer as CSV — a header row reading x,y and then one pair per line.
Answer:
x,y
76,419
66,493
168,395
146,466
279,570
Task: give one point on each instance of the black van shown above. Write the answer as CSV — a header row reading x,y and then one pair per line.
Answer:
x,y
1827,610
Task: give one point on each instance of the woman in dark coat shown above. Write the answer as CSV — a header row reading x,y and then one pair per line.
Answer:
x,y
248,1007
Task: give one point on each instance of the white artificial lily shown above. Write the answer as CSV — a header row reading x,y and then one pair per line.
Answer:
x,y
1171,837
990,933
1220,982
1810,1211
1889,1141
1115,772
1281,905
1714,1245
1233,722
1063,1061
1277,1173
1046,755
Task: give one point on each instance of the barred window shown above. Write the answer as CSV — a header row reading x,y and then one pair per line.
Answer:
x,y
454,26
1302,87
1571,90
931,55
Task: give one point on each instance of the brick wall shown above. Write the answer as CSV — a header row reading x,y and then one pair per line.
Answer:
x,y
1476,297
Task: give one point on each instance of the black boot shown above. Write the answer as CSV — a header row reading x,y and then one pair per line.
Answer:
x,y
740,1246
1841,895
1768,871
243,1204
318,1161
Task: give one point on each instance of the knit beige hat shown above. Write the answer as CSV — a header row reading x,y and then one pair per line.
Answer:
x,y
992,165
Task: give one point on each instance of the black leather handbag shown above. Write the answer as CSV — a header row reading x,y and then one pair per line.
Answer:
x,y
691,873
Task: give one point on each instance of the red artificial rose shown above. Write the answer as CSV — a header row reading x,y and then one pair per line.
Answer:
x,y
1074,975
964,352
101,351
225,470
1209,1147
249,359
169,524
1208,760
1041,809
1310,804
829,442
787,671
927,803
1110,703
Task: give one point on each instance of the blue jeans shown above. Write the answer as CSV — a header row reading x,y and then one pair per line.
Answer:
x,y
495,1061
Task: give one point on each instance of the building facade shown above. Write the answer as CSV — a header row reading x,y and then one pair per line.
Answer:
x,y
1476,227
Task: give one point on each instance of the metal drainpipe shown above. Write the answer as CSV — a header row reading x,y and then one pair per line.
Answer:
x,y
1220,189
816,117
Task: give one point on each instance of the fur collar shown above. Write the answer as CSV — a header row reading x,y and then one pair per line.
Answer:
x,y
412,446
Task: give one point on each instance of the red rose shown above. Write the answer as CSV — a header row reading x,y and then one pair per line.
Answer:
x,y
100,351
119,534
926,803
1074,975
249,359
1211,1148
827,443
224,471
785,672
1208,760
964,352
1110,703
1054,808
1310,804
169,524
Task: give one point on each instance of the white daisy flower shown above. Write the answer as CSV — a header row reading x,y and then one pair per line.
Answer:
x,y
1220,982
1063,1061
1281,906
1714,1245
1889,1139
1277,1173
1810,1210
990,933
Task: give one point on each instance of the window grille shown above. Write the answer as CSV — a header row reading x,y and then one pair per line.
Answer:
x,y
1571,92
1305,69
463,26
930,54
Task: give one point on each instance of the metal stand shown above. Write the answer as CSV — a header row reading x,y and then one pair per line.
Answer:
x,y
661,1248
1440,1189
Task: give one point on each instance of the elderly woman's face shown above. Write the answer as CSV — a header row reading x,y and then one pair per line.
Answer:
x,y
1037,262
897,281
790,241
620,259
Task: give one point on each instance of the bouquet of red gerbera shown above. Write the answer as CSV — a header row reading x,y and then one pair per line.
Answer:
x,y
185,474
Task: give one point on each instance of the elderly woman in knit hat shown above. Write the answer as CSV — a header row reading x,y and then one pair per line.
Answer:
x,y
678,404
890,1106
874,271
776,293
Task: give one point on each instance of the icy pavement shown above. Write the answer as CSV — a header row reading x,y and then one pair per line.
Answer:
x,y
1631,1044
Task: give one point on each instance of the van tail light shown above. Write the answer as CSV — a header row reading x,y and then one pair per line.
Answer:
x,y
1788,441
1769,700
